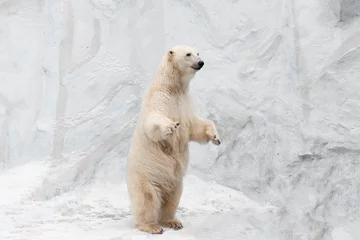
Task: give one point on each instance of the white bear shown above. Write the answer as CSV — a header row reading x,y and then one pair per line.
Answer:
x,y
159,154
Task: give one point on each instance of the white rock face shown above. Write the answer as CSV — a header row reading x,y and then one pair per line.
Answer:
x,y
281,81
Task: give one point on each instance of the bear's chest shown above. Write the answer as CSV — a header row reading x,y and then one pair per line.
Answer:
x,y
180,109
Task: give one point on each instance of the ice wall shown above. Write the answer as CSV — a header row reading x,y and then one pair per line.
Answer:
x,y
281,81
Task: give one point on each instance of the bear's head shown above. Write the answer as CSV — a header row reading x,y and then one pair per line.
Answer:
x,y
185,59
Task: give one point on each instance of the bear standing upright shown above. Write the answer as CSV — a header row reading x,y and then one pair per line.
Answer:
x,y
158,155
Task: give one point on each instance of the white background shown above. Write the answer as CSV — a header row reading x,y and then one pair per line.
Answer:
x,y
281,81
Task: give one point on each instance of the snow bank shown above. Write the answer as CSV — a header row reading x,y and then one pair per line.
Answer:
x,y
281,81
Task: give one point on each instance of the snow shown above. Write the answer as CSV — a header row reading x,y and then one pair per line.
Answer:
x,y
280,81
99,212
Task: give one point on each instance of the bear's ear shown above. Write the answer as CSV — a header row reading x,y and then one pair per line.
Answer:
x,y
170,55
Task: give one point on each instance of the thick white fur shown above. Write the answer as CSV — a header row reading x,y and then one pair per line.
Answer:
x,y
158,156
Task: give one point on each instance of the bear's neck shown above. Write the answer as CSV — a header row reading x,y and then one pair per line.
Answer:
x,y
173,78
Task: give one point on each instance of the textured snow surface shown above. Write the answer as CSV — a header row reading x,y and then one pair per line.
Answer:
x,y
281,81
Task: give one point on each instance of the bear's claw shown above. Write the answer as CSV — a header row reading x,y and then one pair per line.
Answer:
x,y
215,140
174,224
171,128
176,125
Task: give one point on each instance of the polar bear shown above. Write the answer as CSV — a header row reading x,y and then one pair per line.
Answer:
x,y
159,154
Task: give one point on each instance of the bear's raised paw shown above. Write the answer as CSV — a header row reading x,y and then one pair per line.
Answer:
x,y
171,128
213,135
215,140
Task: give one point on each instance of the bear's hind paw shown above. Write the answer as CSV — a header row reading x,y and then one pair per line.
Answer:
x,y
174,224
150,228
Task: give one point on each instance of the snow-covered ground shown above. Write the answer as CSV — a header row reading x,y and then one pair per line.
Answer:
x,y
101,211
281,81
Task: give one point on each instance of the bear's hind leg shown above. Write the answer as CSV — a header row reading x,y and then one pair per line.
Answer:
x,y
168,209
146,210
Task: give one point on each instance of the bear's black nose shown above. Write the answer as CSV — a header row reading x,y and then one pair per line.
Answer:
x,y
201,63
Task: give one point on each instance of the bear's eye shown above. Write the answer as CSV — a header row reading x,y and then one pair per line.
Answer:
x,y
189,54
198,54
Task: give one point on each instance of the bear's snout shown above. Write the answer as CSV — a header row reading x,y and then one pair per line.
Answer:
x,y
197,66
201,64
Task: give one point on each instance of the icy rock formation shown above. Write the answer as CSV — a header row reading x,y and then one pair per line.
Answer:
x,y
281,81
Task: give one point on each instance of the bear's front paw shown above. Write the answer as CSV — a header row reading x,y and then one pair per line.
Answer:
x,y
213,136
170,128
215,140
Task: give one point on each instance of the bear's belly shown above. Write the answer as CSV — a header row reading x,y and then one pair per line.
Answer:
x,y
170,160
